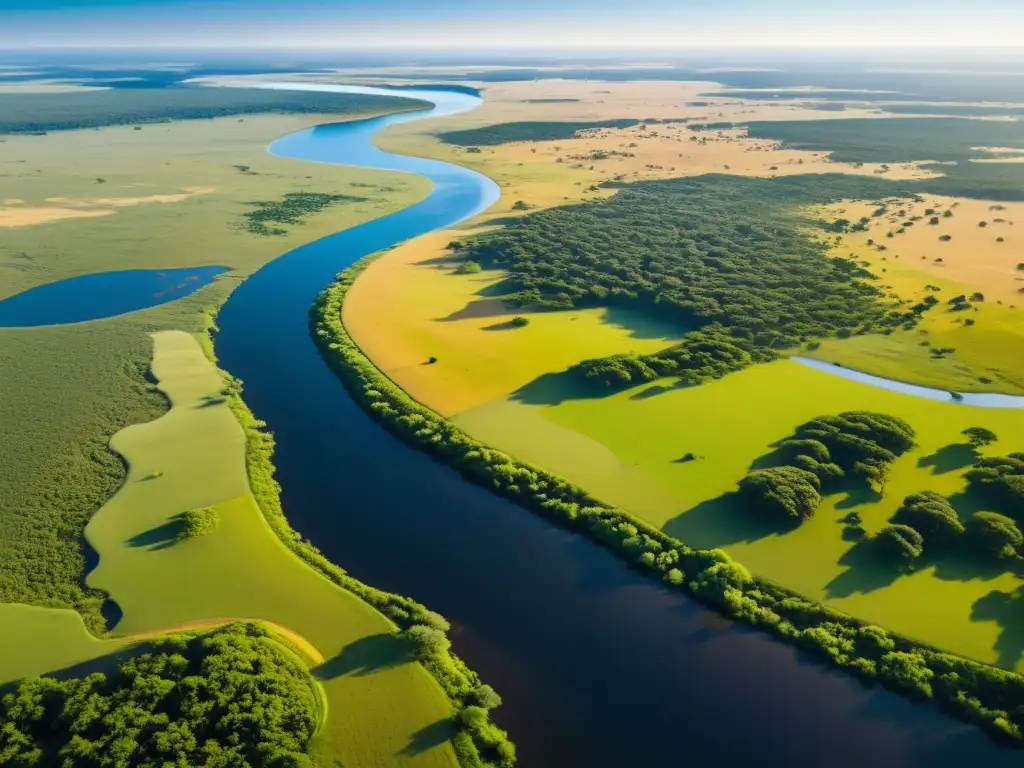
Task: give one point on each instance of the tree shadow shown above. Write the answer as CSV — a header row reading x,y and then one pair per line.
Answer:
x,y
1007,610
209,401
641,326
720,522
496,290
366,656
160,537
865,572
856,494
507,325
556,388
428,737
949,458
476,309
967,503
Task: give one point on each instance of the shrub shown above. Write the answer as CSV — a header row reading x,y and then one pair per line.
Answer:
x,y
468,268
520,322
900,543
197,522
994,534
932,516
782,493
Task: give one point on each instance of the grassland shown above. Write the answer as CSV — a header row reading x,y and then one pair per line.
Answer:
x,y
506,133
194,456
65,390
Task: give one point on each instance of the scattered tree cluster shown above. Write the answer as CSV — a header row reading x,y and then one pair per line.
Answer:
x,y
993,698
232,697
1000,481
702,355
857,445
291,209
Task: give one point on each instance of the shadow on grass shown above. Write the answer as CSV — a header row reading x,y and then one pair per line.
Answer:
x,y
209,402
508,325
366,656
865,572
160,537
1006,609
720,522
967,503
556,388
479,308
856,494
949,458
433,735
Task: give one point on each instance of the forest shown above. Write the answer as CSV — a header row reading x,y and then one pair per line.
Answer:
x,y
726,254
267,216
42,112
504,133
230,697
931,140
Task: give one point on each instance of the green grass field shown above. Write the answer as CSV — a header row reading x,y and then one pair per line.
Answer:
x,y
65,390
381,703
625,449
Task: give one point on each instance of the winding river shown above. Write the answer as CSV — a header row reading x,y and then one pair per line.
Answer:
x,y
597,666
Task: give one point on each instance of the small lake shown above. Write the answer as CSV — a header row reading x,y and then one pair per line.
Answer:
x,y
976,399
598,666
102,294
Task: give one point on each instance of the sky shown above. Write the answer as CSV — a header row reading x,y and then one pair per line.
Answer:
x,y
476,24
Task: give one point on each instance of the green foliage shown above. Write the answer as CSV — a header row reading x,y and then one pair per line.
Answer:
x,y
231,697
994,534
520,322
467,268
932,516
39,112
702,355
1000,481
782,493
725,254
978,437
504,133
290,209
992,698
197,522
899,543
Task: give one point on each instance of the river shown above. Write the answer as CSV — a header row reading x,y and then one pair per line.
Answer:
x,y
597,665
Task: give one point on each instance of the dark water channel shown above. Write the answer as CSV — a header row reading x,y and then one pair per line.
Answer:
x,y
597,666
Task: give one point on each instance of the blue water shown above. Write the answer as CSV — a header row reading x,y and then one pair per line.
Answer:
x,y
598,666
977,399
102,294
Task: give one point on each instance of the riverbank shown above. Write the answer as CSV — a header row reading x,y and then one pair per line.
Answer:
x,y
972,691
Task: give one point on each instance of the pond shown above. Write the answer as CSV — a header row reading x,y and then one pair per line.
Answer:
x,y
102,294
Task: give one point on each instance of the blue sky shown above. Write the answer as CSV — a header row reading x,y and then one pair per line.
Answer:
x,y
522,23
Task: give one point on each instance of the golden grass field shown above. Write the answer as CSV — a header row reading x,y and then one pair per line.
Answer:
x,y
502,384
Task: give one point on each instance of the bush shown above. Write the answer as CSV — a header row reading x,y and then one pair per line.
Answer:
x,y
197,522
932,516
994,534
783,493
468,268
520,322
900,543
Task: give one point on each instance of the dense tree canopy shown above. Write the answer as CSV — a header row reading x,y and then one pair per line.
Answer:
x,y
994,534
232,697
1000,480
899,542
932,516
782,492
714,249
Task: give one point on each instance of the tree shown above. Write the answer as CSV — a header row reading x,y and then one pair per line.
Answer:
x,y
468,268
931,515
994,534
486,697
427,641
783,493
900,543
520,322
978,437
